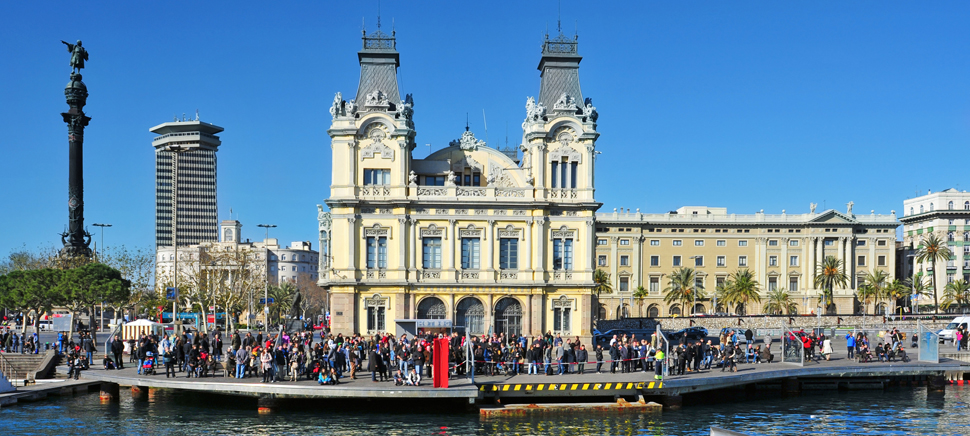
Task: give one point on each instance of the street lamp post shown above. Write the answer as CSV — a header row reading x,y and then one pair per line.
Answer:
x,y
100,259
176,150
266,285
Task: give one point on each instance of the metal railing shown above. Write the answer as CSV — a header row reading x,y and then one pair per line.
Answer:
x,y
7,369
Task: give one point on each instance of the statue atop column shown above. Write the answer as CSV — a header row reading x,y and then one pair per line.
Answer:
x,y
78,56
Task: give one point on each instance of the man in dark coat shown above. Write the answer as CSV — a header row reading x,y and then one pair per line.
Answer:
x,y
581,357
372,358
117,348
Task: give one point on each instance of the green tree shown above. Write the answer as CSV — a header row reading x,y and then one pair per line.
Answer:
x,y
283,296
639,294
917,286
32,290
829,273
873,288
742,288
956,292
88,285
780,302
932,249
894,291
601,282
683,288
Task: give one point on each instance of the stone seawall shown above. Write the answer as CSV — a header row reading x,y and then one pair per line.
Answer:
x,y
714,324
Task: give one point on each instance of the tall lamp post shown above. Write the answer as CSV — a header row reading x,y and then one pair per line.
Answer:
x,y
100,259
176,151
266,285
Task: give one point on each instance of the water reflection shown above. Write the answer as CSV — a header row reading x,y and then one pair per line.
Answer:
x,y
901,411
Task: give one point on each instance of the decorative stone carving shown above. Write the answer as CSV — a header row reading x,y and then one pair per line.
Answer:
x,y
566,103
430,275
432,231
351,107
412,178
518,212
589,111
468,142
376,300
461,211
432,191
509,192
501,212
510,232
470,192
533,112
466,162
336,107
441,211
508,275
450,178
481,212
497,176
563,233
376,134
469,275
377,100
470,232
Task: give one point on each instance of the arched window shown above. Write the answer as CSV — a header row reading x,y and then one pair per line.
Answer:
x,y
949,205
949,236
470,316
966,236
966,205
931,207
601,314
921,208
653,311
432,308
283,257
227,236
739,310
675,310
508,317
911,210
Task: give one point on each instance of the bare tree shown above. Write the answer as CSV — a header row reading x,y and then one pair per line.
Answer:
x,y
136,266
314,297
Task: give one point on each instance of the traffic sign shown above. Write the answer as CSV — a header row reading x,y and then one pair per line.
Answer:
x,y
263,300
171,294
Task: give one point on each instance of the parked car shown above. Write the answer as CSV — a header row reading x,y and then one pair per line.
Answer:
x,y
691,333
45,326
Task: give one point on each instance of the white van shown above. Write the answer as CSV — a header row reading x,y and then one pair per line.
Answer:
x,y
950,331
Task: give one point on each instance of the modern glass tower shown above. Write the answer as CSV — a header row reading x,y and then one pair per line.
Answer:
x,y
185,182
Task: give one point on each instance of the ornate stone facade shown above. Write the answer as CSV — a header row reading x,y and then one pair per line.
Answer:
x,y
467,234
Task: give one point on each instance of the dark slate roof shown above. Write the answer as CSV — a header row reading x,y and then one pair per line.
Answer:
x,y
560,70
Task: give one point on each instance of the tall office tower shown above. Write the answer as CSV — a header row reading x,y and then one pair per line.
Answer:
x,y
185,182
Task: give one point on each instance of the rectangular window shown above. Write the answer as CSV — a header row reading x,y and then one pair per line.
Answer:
x,y
772,283
377,177
721,261
601,260
881,260
861,261
431,252
721,243
470,253
624,260
881,243
676,261
793,261
573,171
555,174
601,242
773,242
375,318
829,242
698,260
677,243
654,242
624,284
560,319
563,168
508,257
860,243
434,180
654,260
654,285
742,260
793,284
376,252
793,243
772,260
624,242
698,242
562,254
742,243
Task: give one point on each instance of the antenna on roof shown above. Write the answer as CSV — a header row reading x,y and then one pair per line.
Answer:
x,y
559,18
197,115
378,14
466,121
485,120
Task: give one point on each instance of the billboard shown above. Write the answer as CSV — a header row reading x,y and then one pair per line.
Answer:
x,y
61,322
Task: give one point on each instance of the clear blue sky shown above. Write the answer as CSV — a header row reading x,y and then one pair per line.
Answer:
x,y
749,105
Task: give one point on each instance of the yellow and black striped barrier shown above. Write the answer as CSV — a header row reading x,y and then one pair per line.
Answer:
x,y
546,387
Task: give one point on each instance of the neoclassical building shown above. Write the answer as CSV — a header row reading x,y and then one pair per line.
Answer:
x,y
470,234
782,250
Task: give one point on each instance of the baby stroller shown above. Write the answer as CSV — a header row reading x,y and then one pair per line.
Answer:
x,y
148,366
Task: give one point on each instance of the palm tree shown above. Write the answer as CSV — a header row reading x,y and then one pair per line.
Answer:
x,y
829,273
683,288
873,287
742,288
933,248
896,290
601,282
780,302
640,294
866,294
957,291
282,296
917,286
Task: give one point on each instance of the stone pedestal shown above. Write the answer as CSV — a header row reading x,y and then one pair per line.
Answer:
x,y
109,392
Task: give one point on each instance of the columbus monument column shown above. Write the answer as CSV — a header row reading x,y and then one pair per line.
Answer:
x,y
76,239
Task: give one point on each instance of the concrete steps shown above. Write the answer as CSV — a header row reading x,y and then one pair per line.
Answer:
x,y
21,366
